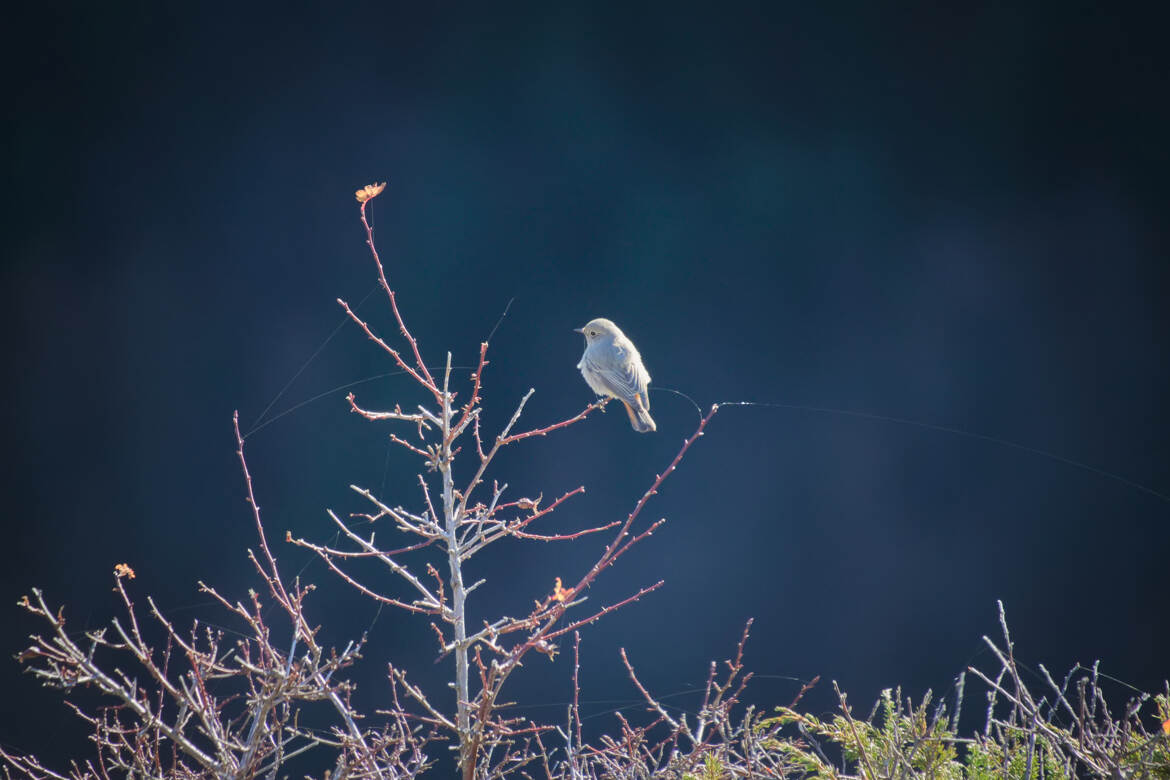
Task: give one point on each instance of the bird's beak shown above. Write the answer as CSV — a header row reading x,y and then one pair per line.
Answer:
x,y
578,330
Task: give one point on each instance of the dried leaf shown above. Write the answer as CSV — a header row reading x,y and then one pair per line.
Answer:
x,y
560,593
369,191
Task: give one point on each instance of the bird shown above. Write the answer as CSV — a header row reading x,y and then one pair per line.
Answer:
x,y
613,368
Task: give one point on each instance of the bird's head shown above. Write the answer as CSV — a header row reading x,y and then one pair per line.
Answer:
x,y
599,329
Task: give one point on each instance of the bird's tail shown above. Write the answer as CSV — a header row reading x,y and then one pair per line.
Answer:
x,y
640,416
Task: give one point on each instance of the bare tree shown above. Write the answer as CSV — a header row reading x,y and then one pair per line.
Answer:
x,y
462,522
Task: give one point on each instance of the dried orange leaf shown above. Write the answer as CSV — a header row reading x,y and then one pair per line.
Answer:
x,y
369,191
561,593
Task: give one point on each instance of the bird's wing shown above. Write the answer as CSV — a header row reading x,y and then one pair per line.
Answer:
x,y
626,382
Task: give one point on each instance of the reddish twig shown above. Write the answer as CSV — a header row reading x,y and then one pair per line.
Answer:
x,y
426,382
615,548
430,382
553,427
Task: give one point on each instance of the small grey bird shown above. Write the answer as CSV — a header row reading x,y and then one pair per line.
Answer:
x,y
613,368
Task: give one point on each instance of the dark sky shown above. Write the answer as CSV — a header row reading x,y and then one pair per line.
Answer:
x,y
956,217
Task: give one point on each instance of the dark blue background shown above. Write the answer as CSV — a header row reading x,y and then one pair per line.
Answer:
x,y
952,216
